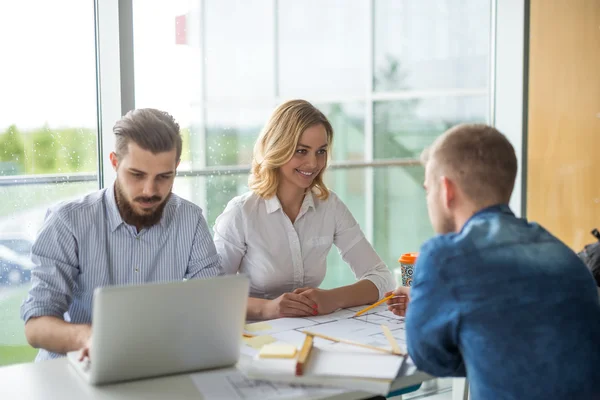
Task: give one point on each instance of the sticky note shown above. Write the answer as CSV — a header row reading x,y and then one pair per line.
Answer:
x,y
258,326
257,342
278,350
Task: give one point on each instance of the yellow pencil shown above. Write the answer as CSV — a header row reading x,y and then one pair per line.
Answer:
x,y
364,310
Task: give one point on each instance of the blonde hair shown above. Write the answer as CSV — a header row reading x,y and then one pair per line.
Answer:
x,y
277,143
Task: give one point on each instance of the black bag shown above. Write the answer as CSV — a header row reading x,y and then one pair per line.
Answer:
x,y
590,255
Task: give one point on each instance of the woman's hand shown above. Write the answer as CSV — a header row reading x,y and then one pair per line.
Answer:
x,y
399,304
290,305
325,299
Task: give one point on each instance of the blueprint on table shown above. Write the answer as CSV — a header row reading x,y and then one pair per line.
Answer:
x,y
341,324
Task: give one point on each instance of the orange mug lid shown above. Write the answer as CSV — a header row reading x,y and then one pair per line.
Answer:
x,y
408,258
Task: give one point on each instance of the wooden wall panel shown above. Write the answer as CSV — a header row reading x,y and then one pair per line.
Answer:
x,y
563,145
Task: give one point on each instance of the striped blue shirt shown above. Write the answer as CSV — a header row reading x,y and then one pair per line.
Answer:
x,y
85,244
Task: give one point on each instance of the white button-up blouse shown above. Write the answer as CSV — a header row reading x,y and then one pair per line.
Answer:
x,y
255,237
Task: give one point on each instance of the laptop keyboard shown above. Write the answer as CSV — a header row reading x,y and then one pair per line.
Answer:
x,y
86,364
83,366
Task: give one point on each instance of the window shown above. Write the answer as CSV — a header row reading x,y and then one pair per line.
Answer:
x,y
431,71
48,133
431,44
321,48
390,75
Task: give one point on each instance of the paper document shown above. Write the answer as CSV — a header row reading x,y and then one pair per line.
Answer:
x,y
354,364
296,337
231,384
364,371
385,318
346,329
335,316
334,363
278,325
380,308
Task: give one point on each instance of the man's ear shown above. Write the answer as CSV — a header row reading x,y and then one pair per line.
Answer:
x,y
448,192
114,160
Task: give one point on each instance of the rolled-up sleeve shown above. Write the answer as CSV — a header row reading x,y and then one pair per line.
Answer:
x,y
204,261
356,250
432,319
56,267
229,237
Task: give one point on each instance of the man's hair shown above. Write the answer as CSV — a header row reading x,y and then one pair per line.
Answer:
x,y
153,130
478,158
277,143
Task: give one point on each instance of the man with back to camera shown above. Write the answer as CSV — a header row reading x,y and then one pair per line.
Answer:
x,y
495,298
135,231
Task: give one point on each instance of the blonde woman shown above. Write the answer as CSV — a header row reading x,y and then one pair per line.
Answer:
x,y
279,233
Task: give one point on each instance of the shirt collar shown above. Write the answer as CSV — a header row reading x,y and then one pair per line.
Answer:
x,y
308,201
114,216
495,209
168,211
273,204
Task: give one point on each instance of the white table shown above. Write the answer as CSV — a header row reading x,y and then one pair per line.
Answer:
x,y
55,379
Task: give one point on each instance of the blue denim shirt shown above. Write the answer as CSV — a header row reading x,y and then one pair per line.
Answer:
x,y
508,305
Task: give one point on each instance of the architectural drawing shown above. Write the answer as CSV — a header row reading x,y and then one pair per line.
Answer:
x,y
231,384
341,324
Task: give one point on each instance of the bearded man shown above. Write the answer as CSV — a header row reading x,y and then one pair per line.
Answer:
x,y
133,232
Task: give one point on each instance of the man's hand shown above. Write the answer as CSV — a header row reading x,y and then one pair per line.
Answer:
x,y
399,304
84,337
290,305
85,351
326,302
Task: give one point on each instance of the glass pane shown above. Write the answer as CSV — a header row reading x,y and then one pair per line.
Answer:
x,y
22,212
231,133
400,212
167,56
215,191
403,128
230,136
431,44
348,123
239,51
48,126
349,185
323,47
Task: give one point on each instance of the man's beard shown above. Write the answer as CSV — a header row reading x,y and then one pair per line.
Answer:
x,y
131,217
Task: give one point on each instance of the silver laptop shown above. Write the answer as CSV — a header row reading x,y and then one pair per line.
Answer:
x,y
164,328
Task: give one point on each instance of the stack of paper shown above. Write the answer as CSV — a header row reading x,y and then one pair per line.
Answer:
x,y
358,370
334,364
